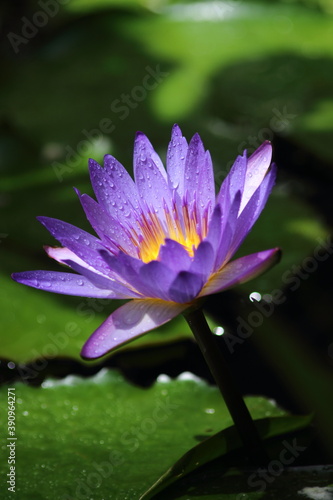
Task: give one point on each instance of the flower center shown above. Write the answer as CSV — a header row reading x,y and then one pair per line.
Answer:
x,y
180,225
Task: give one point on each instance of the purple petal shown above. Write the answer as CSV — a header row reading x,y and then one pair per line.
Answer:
x,y
252,210
176,155
229,223
241,270
83,244
122,291
126,268
115,189
257,167
156,279
64,283
265,190
128,322
174,255
195,161
233,182
62,254
185,287
206,188
203,261
150,178
108,229
62,230
143,151
151,280
214,228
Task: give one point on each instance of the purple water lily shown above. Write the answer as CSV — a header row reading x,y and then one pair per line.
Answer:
x,y
164,240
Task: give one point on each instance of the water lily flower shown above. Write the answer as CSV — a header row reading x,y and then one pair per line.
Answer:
x,y
164,240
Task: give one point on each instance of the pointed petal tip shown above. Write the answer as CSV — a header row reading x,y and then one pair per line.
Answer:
x,y
90,351
43,219
196,139
277,252
176,130
264,149
22,277
93,163
15,277
139,135
86,354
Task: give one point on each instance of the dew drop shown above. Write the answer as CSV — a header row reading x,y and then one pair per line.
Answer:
x,y
80,282
219,330
255,297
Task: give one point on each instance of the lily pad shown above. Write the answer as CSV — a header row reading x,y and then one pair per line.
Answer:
x,y
221,444
104,438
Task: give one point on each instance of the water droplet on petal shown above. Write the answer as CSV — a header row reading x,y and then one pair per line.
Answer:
x,y
80,282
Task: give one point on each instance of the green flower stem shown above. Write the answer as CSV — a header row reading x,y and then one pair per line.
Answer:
x,y
225,382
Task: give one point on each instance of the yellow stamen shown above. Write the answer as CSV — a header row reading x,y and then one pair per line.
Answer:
x,y
154,232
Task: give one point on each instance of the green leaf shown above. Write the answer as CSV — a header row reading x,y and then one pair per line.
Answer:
x,y
105,438
221,444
